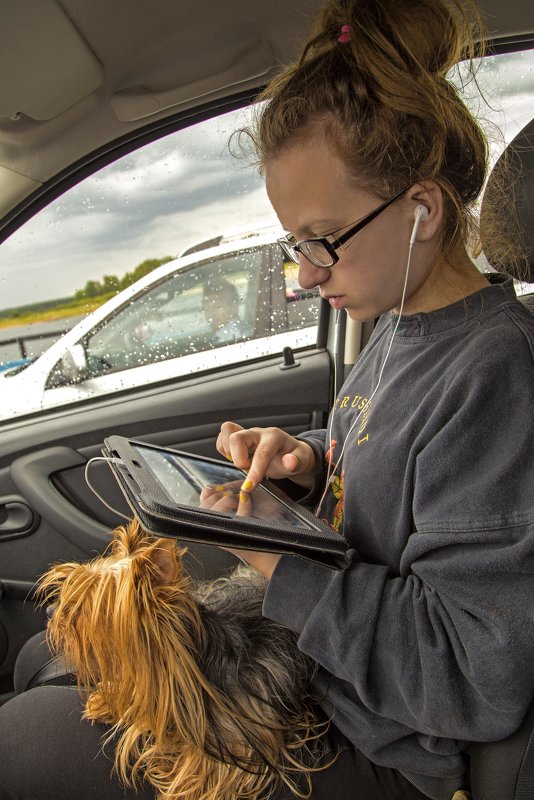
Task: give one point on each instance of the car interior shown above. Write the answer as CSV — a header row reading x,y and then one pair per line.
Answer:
x,y
82,85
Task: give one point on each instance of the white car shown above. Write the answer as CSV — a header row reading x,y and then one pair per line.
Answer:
x,y
213,307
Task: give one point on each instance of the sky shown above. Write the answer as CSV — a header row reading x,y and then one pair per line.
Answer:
x,y
181,190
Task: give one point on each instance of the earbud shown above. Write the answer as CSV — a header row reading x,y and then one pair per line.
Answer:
x,y
420,214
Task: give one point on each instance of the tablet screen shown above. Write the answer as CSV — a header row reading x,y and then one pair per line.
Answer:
x,y
210,485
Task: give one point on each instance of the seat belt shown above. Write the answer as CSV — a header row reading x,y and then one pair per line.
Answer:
x,y
55,671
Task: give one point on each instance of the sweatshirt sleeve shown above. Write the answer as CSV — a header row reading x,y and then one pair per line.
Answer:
x,y
445,646
317,441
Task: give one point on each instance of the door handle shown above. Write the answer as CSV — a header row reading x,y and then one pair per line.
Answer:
x,y
16,517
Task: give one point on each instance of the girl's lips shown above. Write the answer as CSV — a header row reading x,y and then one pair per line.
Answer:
x,y
336,302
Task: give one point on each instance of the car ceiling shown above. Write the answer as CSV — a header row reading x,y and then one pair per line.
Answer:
x,y
77,75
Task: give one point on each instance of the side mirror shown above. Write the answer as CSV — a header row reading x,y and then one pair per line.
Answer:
x,y
73,364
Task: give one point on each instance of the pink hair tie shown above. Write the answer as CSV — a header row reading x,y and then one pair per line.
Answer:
x,y
345,34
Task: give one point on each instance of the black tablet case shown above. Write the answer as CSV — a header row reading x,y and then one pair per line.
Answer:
x,y
159,515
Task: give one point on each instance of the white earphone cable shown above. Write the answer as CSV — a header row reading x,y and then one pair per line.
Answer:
x,y
420,212
90,485
335,351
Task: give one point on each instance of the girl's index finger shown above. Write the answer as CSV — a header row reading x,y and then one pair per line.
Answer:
x,y
248,484
261,461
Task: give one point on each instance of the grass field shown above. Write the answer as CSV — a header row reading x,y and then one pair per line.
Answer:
x,y
74,309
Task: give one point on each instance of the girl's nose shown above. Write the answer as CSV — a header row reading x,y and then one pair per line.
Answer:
x,y
311,276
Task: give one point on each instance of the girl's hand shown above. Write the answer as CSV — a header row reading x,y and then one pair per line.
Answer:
x,y
266,452
263,562
229,498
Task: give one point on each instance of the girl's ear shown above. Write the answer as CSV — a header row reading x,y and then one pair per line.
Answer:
x,y
165,559
429,195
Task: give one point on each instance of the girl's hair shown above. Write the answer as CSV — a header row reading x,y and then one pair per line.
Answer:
x,y
383,102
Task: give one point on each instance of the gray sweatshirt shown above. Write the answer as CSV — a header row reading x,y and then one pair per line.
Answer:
x,y
426,638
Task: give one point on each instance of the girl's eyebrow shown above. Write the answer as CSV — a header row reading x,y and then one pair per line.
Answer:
x,y
319,227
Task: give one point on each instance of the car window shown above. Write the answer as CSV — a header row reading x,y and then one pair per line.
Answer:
x,y
501,96
208,306
301,304
172,251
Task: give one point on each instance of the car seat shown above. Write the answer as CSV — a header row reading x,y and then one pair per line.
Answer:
x,y
505,770
514,170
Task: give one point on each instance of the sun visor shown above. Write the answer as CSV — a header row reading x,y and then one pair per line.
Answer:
x,y
46,65
14,187
136,102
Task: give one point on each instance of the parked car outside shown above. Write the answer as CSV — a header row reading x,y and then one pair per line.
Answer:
x,y
160,328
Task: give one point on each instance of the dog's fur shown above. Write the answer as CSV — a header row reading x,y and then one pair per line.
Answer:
x,y
207,699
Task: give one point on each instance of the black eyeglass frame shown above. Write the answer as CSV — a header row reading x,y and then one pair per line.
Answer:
x,y
287,245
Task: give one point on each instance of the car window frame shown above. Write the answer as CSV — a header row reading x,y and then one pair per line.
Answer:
x,y
106,155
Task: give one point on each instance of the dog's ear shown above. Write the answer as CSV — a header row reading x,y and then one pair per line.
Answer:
x,y
165,559
161,556
127,539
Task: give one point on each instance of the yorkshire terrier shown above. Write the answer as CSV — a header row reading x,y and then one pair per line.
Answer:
x,y
208,699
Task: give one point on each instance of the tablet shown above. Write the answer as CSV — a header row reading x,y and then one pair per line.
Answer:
x,y
195,498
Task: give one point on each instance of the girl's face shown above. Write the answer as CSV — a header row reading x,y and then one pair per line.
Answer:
x,y
310,191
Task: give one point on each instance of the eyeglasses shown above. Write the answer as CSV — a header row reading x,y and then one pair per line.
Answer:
x,y
322,253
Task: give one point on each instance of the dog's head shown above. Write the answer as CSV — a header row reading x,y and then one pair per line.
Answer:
x,y
120,619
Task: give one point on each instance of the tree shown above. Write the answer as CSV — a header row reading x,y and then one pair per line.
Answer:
x,y
110,283
91,289
142,269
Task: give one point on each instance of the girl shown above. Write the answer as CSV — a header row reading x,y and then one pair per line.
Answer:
x,y
372,164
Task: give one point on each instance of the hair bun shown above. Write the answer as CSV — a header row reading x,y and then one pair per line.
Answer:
x,y
420,36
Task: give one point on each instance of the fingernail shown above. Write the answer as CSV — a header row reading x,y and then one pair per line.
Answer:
x,y
243,497
228,456
227,494
219,488
247,486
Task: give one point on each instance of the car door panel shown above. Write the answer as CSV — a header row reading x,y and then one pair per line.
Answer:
x,y
205,398
43,462
22,560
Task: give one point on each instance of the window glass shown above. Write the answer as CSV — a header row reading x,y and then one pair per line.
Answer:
x,y
208,306
171,250
502,98
301,304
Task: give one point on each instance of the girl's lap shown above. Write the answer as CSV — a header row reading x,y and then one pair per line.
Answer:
x,y
48,752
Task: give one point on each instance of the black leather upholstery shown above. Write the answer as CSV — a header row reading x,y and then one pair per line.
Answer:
x,y
505,770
